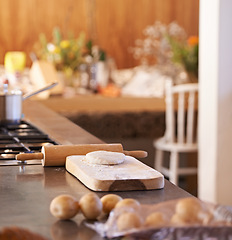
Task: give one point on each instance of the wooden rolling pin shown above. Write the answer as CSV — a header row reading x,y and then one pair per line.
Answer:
x,y
55,155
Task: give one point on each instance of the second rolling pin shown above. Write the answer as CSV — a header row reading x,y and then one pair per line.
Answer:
x,y
55,155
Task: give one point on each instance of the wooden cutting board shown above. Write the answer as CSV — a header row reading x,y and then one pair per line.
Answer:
x,y
129,175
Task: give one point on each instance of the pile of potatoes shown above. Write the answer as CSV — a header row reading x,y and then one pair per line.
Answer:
x,y
186,211
91,206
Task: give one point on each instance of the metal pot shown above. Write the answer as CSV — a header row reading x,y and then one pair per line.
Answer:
x,y
11,104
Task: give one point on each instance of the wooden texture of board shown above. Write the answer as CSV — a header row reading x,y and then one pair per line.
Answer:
x,y
129,175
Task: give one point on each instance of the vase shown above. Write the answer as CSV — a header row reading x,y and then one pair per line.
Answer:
x,y
68,81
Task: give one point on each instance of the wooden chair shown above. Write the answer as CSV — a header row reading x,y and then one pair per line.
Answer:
x,y
181,130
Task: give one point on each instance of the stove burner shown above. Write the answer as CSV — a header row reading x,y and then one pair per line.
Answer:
x,y
22,137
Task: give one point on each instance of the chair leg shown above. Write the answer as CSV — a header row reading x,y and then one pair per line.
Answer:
x,y
173,168
158,160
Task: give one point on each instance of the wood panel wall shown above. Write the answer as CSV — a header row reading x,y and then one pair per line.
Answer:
x,y
113,24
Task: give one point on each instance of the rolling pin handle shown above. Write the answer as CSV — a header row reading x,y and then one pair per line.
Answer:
x,y
29,156
136,153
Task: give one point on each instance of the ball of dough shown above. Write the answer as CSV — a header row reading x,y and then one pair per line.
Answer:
x,y
155,219
128,220
128,202
109,201
105,157
91,206
188,209
64,207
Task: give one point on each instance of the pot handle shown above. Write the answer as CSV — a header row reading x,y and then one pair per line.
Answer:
x,y
49,86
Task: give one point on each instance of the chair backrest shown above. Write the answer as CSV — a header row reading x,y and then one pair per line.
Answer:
x,y
181,121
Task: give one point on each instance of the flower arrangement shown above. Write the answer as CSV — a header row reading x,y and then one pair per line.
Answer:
x,y
75,58
169,46
186,53
65,54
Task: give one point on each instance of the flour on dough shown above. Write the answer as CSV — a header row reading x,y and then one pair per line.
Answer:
x,y
105,157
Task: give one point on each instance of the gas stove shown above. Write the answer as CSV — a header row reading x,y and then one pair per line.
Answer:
x,y
21,137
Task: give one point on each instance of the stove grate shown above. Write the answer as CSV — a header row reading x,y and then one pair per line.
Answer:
x,y
22,137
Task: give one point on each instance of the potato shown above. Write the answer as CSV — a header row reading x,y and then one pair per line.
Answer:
x,y
91,206
109,201
64,207
128,202
188,209
155,219
177,220
128,220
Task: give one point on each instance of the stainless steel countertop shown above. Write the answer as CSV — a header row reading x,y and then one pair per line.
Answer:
x,y
26,191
